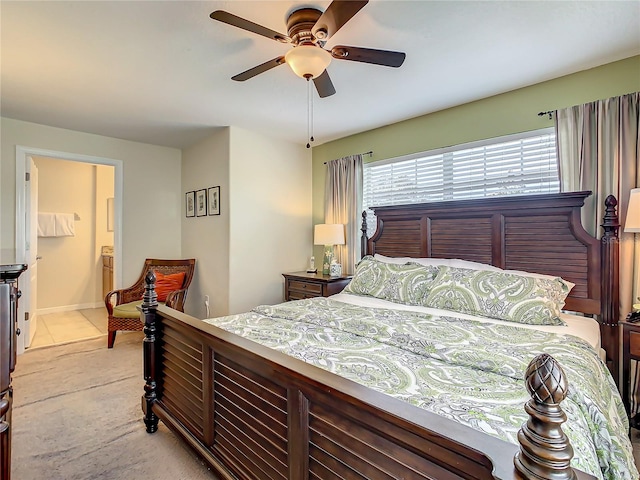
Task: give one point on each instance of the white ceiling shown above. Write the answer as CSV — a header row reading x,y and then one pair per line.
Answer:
x,y
159,71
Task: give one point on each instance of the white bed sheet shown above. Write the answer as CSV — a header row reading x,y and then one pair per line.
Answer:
x,y
583,327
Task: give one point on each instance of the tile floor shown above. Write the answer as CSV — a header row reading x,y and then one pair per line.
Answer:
x,y
65,327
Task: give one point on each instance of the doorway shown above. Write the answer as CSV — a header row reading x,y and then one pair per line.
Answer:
x,y
26,247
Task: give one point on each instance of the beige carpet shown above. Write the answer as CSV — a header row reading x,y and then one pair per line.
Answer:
x,y
77,415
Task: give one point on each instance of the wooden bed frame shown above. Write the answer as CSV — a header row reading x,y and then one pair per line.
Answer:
x,y
251,412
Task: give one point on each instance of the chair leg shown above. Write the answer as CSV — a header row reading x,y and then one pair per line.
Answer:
x,y
111,338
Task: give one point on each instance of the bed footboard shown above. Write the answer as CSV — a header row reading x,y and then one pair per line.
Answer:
x,y
251,412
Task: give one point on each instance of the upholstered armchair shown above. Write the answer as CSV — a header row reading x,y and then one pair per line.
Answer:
x,y
172,281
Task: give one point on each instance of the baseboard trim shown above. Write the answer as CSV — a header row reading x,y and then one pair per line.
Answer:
x,y
69,308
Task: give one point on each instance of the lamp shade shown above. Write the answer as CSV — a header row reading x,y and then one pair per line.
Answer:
x,y
308,61
632,222
328,234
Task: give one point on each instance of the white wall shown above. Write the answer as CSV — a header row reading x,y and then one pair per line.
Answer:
x,y
152,195
270,217
67,270
264,228
265,224
206,239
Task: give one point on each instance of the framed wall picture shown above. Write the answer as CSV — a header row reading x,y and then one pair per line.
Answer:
x,y
214,200
191,204
201,203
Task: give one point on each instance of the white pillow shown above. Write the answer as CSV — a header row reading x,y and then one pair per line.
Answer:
x,y
421,260
457,263
449,262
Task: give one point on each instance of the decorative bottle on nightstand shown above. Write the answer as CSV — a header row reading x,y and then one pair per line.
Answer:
x,y
335,269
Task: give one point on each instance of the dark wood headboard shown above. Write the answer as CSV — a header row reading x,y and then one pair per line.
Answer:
x,y
534,233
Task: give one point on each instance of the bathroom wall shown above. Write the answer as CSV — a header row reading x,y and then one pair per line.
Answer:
x,y
70,270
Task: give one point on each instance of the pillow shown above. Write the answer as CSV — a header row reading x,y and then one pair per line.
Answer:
x,y
427,261
501,295
456,262
409,283
541,275
419,260
166,284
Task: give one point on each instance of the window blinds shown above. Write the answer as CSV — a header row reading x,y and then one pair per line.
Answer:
x,y
515,165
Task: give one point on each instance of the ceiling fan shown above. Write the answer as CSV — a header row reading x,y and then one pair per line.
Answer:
x,y
308,29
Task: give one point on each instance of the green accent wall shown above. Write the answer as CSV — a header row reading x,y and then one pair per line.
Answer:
x,y
512,112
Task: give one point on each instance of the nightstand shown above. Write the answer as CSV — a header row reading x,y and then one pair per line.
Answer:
x,y
630,351
299,285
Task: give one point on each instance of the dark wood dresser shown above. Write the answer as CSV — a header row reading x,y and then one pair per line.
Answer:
x,y
9,295
299,285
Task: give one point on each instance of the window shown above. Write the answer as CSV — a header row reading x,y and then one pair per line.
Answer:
x,y
515,165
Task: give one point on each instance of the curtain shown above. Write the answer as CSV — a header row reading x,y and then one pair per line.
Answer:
x,y
599,150
343,204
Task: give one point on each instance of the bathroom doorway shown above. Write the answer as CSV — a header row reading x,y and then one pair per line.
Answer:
x,y
70,300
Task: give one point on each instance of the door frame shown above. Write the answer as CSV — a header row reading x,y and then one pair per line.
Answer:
x,y
22,190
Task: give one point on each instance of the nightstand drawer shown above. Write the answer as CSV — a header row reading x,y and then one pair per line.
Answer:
x,y
634,344
312,289
300,285
293,295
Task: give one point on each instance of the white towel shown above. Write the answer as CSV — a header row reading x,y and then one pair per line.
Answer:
x,y
46,224
65,225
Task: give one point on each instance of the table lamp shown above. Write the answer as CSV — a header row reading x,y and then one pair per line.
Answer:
x,y
632,222
328,234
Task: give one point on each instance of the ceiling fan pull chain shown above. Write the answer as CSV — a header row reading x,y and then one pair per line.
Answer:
x,y
309,113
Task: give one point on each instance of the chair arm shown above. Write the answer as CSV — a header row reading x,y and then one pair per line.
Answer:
x,y
176,299
110,298
123,295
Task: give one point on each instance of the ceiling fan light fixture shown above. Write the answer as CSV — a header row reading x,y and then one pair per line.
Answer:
x,y
308,61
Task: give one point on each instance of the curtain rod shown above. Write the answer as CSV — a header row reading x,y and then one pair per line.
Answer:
x,y
549,112
370,153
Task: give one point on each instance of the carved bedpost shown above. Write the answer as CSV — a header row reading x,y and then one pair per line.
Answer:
x,y
149,305
545,452
363,238
610,293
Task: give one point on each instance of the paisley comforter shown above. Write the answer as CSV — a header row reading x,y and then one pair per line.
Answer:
x,y
468,371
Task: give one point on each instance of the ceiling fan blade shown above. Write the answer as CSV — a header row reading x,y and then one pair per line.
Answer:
x,y
335,16
368,55
234,20
252,72
324,85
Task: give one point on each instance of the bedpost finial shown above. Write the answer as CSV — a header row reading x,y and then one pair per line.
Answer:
x,y
545,451
363,236
149,298
545,380
610,220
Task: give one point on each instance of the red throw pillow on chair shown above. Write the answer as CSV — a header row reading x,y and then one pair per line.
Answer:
x,y
166,284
